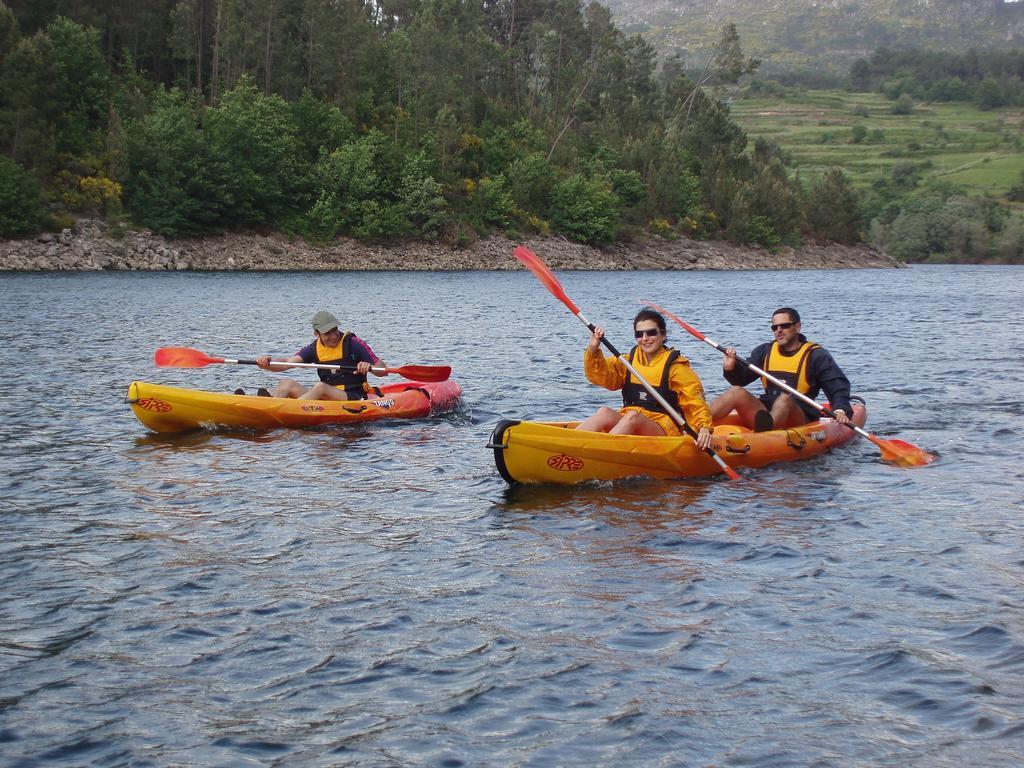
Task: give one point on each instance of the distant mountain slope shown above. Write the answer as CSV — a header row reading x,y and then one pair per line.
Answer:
x,y
821,33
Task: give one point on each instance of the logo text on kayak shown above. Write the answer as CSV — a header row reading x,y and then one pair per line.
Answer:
x,y
563,462
152,404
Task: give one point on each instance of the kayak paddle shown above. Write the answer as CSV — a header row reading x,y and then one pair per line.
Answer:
x,y
541,271
898,452
184,357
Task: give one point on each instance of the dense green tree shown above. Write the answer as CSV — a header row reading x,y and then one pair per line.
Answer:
x,y
22,208
730,63
585,209
29,105
173,186
82,86
389,118
990,95
833,208
259,151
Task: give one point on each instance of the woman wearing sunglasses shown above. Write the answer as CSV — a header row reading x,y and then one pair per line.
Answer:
x,y
804,365
663,368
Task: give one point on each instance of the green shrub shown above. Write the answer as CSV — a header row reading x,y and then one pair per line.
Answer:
x,y
904,105
491,204
21,200
531,180
761,231
833,208
585,209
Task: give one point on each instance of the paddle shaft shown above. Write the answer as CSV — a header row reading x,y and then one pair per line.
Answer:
x,y
543,273
379,371
677,417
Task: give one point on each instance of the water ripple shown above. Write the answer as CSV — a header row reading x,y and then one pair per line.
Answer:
x,y
375,595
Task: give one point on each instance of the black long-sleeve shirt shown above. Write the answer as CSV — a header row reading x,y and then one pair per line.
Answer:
x,y
823,374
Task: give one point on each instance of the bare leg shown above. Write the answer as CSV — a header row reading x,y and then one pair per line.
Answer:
x,y
787,413
738,399
633,423
321,391
288,388
602,421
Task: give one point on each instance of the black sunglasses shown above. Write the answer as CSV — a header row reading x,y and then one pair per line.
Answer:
x,y
647,332
783,326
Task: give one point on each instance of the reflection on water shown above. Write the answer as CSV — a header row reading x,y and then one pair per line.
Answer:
x,y
376,595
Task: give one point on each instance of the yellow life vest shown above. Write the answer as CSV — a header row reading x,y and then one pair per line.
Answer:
x,y
656,373
792,369
352,382
339,351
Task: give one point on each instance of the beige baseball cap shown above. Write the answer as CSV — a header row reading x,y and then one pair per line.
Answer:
x,y
324,321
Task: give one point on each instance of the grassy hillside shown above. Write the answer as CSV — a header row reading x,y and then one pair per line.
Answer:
x,y
828,34
983,151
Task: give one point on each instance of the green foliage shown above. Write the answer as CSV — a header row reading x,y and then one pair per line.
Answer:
x,y
197,169
421,198
942,225
761,231
531,181
319,127
355,191
21,200
628,187
430,119
29,108
1016,193
905,176
730,62
257,149
833,208
170,189
858,134
904,105
490,203
990,94
688,199
82,85
585,209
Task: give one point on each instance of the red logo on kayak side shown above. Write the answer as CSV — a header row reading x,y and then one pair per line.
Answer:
x,y
565,463
152,404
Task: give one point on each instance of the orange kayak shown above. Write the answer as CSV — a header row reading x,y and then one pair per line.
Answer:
x,y
555,452
173,409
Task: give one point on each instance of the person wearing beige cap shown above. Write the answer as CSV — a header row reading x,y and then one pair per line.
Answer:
x,y
330,346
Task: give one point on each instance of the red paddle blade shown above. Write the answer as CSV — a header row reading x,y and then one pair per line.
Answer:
x,y
669,315
423,372
183,357
541,271
902,453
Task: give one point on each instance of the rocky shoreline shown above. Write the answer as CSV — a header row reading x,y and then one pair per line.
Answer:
x,y
90,246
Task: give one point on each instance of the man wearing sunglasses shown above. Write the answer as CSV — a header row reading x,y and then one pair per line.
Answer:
x,y
331,345
804,365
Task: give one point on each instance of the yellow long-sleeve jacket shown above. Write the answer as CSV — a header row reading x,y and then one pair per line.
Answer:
x,y
610,373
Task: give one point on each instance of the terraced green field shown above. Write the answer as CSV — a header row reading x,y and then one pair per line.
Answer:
x,y
981,151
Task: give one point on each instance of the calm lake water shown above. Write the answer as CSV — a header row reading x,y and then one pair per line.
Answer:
x,y
377,596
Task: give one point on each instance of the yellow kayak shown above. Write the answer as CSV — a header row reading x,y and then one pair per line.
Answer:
x,y
555,452
173,409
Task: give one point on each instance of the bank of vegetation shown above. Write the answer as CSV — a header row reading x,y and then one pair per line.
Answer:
x,y
448,120
932,143
436,119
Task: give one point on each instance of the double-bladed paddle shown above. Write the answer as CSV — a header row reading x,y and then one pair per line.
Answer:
x,y
896,451
541,271
185,357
